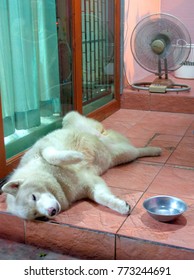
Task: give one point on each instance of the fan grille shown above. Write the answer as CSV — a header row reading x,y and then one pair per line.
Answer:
x,y
170,30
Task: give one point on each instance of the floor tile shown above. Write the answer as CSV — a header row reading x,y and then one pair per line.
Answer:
x,y
119,126
161,123
190,131
169,119
174,181
177,233
184,154
142,131
133,176
126,116
123,120
149,130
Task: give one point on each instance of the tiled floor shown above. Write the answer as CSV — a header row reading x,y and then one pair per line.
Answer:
x,y
91,231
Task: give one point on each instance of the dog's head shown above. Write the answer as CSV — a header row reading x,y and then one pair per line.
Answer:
x,y
27,200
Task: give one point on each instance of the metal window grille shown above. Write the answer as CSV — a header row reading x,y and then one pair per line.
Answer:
x,y
97,49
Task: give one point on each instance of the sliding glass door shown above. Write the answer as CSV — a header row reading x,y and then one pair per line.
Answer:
x,y
36,72
55,56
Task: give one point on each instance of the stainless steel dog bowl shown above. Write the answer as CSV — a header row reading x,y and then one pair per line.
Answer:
x,y
164,208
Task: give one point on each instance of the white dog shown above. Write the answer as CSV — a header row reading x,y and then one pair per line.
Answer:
x,y
65,166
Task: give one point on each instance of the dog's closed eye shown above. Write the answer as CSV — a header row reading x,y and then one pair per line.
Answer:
x,y
33,197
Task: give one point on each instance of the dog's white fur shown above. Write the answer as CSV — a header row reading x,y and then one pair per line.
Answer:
x,y
65,166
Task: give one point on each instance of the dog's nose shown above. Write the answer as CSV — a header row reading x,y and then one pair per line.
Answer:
x,y
52,211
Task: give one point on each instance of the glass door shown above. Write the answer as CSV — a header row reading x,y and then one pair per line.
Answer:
x,y
55,56
98,53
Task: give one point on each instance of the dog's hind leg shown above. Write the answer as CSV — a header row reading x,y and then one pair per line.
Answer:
x,y
149,152
57,157
101,194
124,153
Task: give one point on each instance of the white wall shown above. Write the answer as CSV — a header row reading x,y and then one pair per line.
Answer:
x,y
183,10
135,10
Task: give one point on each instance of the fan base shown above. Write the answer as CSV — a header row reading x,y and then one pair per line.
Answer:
x,y
160,85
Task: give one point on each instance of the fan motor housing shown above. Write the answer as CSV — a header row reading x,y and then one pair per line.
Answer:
x,y
158,46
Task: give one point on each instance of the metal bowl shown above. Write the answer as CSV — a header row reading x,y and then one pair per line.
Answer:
x,y
164,208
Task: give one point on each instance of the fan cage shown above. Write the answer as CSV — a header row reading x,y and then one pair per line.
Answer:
x,y
165,27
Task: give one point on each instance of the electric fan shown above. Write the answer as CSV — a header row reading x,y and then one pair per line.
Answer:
x,y
159,44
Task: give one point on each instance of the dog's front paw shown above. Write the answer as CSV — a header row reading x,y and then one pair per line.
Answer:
x,y
57,157
76,157
125,208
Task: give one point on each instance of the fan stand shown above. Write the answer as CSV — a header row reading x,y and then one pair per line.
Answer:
x,y
161,85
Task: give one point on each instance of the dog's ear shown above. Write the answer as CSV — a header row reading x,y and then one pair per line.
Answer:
x,y
12,187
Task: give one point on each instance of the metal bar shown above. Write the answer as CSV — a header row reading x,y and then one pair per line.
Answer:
x,y
166,68
98,15
159,68
94,44
106,43
96,38
102,41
